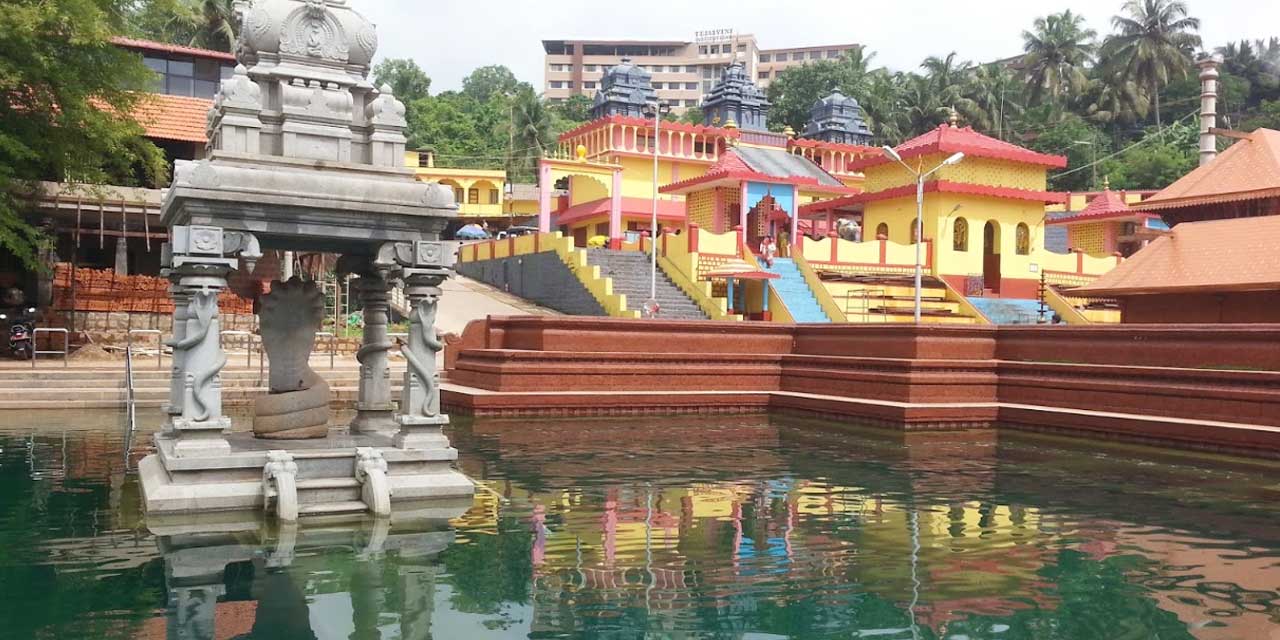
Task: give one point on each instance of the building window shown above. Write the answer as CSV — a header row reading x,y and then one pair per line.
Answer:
x,y
915,230
960,235
691,86
1022,236
657,86
702,50
569,84
763,75
690,103
457,194
882,231
742,47
588,84
833,53
814,55
724,48
590,67
473,196
187,76
764,57
557,84
493,196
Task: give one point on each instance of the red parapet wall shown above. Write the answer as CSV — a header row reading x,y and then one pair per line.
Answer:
x,y
1162,382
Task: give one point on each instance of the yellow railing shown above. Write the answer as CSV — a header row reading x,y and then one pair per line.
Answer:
x,y
600,287
967,307
1063,307
1075,268
681,266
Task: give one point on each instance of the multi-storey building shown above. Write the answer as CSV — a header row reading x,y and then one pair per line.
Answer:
x,y
683,71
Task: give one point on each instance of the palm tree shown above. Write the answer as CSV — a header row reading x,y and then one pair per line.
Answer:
x,y
1058,48
1154,41
947,79
995,94
1114,99
532,131
882,105
212,24
922,107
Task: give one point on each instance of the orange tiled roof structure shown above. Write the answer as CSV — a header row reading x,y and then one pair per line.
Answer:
x,y
164,47
178,118
1196,257
1242,181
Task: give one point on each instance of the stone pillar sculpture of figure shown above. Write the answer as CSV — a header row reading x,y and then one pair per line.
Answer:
x,y
177,376
374,408
198,257
419,418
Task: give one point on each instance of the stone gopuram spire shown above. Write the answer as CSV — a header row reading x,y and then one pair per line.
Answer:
x,y
837,118
735,98
625,89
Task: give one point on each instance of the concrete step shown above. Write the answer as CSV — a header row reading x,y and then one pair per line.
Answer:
x,y
318,491
332,508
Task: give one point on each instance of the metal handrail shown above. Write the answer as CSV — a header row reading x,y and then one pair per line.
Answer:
x,y
128,346
865,295
66,344
129,398
248,343
333,345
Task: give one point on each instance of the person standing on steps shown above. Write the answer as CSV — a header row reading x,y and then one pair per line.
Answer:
x,y
768,250
784,246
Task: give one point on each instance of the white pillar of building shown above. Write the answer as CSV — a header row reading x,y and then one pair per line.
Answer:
x,y
1208,107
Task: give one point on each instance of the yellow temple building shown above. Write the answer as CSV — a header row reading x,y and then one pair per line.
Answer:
x,y
840,215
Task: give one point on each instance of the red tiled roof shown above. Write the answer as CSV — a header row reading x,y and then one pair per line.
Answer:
x,y
164,47
1247,170
935,186
1237,254
179,118
668,210
833,146
1106,206
949,139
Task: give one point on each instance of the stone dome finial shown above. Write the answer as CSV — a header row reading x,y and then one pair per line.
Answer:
x,y
325,29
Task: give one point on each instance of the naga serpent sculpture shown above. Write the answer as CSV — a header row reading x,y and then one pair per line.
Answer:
x,y
298,403
420,358
200,342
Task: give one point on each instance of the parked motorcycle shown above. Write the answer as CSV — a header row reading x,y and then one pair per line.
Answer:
x,y
21,326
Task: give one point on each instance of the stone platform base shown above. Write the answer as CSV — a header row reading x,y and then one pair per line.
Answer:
x,y
326,475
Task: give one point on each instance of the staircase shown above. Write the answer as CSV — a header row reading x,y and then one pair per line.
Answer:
x,y
890,298
1009,310
630,273
54,387
794,291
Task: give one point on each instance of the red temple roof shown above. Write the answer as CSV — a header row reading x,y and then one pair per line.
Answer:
x,y
949,139
1105,206
762,165
935,186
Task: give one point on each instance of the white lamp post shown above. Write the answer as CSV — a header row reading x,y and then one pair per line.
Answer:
x,y
657,110
920,177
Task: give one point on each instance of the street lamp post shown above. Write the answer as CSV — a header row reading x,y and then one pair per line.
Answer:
x,y
657,110
920,177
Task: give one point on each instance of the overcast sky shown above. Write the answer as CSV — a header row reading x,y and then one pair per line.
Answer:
x,y
449,38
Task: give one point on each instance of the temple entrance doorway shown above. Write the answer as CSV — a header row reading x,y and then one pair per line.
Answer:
x,y
991,256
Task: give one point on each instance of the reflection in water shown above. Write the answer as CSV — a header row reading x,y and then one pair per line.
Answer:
x,y
669,528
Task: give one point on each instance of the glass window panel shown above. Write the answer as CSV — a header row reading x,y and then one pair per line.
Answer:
x,y
205,89
206,69
156,64
180,86
181,68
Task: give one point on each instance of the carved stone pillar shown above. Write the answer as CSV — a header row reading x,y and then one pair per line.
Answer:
x,y
420,418
374,408
199,258
177,374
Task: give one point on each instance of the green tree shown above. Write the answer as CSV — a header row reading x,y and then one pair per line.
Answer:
x,y
1070,135
995,94
408,81
533,133
1153,43
1266,116
692,115
215,25
1058,48
1162,157
577,109
66,93
486,82
795,90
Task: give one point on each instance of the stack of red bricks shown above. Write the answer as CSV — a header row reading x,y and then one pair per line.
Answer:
x,y
104,290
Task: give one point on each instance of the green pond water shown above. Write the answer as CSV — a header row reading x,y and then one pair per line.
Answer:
x,y
709,527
